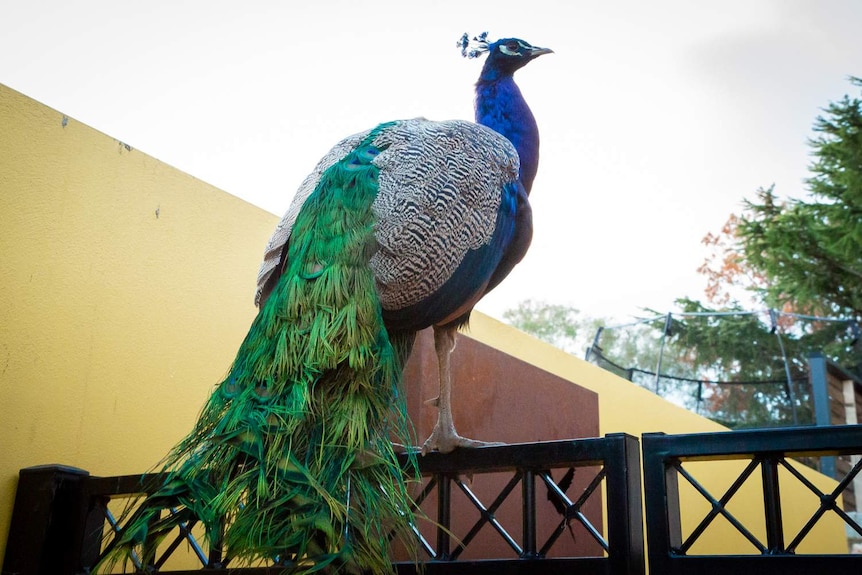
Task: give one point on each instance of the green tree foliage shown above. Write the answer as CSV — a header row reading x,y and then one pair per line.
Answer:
x,y
744,361
561,326
810,251
800,255
632,351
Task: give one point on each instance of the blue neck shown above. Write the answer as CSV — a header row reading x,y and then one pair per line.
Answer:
x,y
501,107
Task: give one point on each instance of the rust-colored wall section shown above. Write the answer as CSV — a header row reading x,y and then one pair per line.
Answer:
x,y
496,397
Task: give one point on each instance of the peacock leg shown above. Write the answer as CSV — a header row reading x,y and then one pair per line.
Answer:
x,y
444,438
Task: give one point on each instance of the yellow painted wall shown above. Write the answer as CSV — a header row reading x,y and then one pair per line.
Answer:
x,y
125,289
115,321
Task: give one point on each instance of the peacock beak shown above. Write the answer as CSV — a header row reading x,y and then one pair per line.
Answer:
x,y
535,51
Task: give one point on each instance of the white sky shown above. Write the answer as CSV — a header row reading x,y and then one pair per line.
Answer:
x,y
657,118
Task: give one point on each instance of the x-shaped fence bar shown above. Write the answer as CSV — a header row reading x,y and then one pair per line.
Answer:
x,y
827,502
718,508
572,510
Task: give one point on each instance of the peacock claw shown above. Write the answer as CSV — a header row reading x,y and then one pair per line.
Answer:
x,y
449,442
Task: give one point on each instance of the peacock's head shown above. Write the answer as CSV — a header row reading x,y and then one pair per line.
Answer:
x,y
505,56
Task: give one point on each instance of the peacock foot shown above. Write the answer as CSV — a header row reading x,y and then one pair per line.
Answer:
x,y
449,440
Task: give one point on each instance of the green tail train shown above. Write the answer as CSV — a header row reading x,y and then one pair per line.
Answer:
x,y
291,455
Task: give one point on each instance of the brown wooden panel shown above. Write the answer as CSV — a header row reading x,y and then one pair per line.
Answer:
x,y
835,388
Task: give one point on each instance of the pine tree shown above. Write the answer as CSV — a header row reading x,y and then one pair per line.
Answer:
x,y
810,251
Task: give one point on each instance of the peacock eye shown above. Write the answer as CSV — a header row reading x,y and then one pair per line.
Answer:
x,y
510,48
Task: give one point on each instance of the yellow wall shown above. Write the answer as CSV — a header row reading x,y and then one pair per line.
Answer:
x,y
126,287
114,322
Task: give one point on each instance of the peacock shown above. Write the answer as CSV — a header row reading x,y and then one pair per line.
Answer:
x,y
398,228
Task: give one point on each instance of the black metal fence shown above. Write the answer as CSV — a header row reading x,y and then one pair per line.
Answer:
x,y
671,548
528,504
613,461
62,514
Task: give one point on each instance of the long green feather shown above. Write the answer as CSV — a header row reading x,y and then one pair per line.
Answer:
x,y
291,455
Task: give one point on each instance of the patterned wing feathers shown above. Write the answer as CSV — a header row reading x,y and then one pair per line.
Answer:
x,y
439,192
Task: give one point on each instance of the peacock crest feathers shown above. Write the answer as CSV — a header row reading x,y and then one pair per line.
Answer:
x,y
473,48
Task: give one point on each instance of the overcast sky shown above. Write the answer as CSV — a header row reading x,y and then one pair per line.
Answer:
x,y
657,118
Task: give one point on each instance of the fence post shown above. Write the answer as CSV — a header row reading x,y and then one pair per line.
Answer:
x,y
45,535
661,493
444,515
822,410
624,505
528,494
772,505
